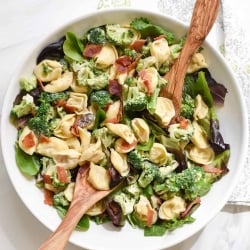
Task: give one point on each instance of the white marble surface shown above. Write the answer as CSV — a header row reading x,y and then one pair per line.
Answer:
x,y
23,24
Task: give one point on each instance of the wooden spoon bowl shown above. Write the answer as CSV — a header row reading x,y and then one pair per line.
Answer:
x,y
203,18
85,196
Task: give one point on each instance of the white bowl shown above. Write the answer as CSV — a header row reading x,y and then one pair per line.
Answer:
x,y
233,123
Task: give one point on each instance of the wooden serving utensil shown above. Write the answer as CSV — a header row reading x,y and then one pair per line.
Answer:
x,y
203,18
85,196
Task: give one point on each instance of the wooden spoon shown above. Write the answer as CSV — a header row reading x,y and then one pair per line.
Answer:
x,y
203,18
85,196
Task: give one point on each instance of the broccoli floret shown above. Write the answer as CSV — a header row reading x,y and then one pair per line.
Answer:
x,y
53,97
104,135
187,106
125,201
41,122
136,158
149,173
131,53
120,36
92,78
60,200
181,132
136,100
190,183
131,81
28,83
25,107
134,190
100,97
96,36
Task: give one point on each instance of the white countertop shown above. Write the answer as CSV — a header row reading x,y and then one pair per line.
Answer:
x,y
23,24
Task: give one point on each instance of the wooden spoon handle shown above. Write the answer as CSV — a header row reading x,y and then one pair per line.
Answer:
x,y
59,238
204,15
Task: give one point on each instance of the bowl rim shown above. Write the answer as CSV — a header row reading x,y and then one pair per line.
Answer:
x,y
63,27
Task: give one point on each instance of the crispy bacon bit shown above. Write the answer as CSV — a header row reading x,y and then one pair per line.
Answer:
x,y
150,216
210,169
48,197
115,88
147,78
122,64
47,179
91,50
138,44
44,139
184,123
62,174
29,140
159,37
189,207
60,103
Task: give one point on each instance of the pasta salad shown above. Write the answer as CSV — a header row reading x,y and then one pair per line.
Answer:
x,y
95,101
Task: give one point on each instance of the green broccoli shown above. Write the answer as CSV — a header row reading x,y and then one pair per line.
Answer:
x,y
96,35
25,107
133,189
187,106
190,183
40,123
92,78
120,36
104,135
53,97
149,172
136,100
181,133
101,98
60,200
28,83
125,201
131,81
136,158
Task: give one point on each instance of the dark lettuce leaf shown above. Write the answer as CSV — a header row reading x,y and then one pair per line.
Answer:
x,y
216,140
115,214
218,90
53,51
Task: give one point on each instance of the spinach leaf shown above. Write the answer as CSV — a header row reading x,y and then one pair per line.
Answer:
x,y
28,164
83,223
73,47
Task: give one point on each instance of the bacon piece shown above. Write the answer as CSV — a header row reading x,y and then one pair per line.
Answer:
x,y
210,169
29,140
197,200
62,174
122,64
47,179
115,88
138,44
48,197
91,50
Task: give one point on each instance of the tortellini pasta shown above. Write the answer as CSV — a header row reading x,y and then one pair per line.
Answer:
x,y
122,130
197,62
199,137
164,110
141,129
63,128
158,154
69,191
68,158
27,141
201,108
203,156
172,208
142,210
160,50
148,80
59,84
50,146
119,162
78,102
48,70
98,177
97,209
106,57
